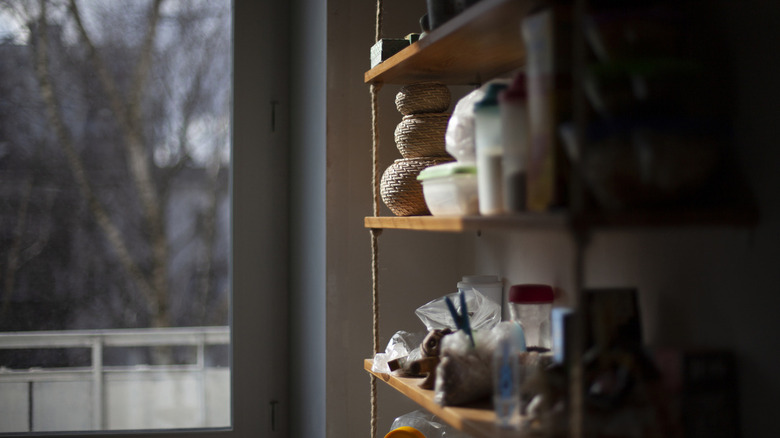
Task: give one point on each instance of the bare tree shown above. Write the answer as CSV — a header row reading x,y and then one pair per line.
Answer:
x,y
132,103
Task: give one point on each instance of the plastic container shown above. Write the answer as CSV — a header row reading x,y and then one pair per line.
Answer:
x,y
422,424
515,138
506,374
450,189
405,432
562,321
490,286
487,129
531,306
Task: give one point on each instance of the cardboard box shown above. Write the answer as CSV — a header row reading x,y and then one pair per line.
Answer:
x,y
385,48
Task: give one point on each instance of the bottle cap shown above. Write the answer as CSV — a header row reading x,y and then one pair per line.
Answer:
x,y
491,96
517,91
531,294
405,432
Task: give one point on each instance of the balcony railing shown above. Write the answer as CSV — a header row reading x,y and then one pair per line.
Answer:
x,y
101,397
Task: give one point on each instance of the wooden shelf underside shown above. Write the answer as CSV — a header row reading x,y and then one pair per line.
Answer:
x,y
473,47
478,421
638,219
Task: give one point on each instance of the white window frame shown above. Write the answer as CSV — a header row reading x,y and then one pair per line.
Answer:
x,y
259,230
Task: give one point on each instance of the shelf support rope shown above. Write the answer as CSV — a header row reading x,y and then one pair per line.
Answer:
x,y
375,232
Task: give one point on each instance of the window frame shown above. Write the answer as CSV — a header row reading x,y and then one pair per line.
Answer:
x,y
259,223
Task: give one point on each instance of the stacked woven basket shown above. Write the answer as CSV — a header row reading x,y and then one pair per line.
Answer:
x,y
420,139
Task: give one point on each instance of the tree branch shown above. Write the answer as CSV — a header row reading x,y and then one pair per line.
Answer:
x,y
139,161
16,246
53,112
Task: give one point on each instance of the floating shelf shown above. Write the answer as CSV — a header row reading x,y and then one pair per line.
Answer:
x,y
467,223
475,46
736,217
477,420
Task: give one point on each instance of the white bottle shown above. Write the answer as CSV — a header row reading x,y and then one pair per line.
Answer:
x,y
506,374
487,129
514,128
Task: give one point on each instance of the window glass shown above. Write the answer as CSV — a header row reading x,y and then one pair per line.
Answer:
x,y
114,214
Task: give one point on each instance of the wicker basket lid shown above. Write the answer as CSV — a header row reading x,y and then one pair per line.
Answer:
x,y
423,97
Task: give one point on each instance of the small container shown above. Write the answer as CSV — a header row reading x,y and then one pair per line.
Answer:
x,y
490,286
450,189
515,138
531,306
487,129
562,325
507,374
405,432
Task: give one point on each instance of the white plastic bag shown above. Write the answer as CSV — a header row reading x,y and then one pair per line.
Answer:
x,y
484,314
459,137
402,344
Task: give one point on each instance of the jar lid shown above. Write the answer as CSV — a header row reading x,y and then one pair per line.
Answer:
x,y
405,432
447,169
479,279
531,294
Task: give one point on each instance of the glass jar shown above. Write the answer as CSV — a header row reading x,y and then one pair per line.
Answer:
x,y
530,305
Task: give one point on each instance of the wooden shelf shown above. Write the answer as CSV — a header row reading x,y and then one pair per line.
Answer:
x,y
467,223
477,420
476,45
717,217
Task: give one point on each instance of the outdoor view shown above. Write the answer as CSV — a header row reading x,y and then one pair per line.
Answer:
x,y
114,214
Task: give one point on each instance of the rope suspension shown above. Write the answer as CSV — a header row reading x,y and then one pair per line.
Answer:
x,y
375,232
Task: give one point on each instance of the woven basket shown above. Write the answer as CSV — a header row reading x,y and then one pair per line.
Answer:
x,y
423,97
422,135
399,188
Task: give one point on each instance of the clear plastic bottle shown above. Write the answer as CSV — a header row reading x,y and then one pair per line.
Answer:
x,y
506,373
488,142
531,306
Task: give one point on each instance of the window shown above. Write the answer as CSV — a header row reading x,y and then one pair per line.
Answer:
x,y
148,171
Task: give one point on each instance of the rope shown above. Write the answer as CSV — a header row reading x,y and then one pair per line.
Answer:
x,y
375,232
379,9
375,297
375,145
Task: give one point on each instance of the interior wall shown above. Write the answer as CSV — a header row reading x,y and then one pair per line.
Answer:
x,y
414,267
259,221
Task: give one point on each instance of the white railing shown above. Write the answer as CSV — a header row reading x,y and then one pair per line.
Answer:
x,y
43,394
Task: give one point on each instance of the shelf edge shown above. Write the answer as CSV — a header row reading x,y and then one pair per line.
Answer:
x,y
478,422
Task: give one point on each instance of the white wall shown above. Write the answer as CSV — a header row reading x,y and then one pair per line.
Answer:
x,y
407,274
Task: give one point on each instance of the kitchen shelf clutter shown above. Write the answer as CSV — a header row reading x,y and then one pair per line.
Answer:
x,y
478,420
471,48
483,42
480,44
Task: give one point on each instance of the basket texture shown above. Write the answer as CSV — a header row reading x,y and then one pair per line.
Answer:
x,y
423,97
399,188
422,135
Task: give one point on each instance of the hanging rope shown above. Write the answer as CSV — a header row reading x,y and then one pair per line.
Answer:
x,y
379,10
375,232
375,297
